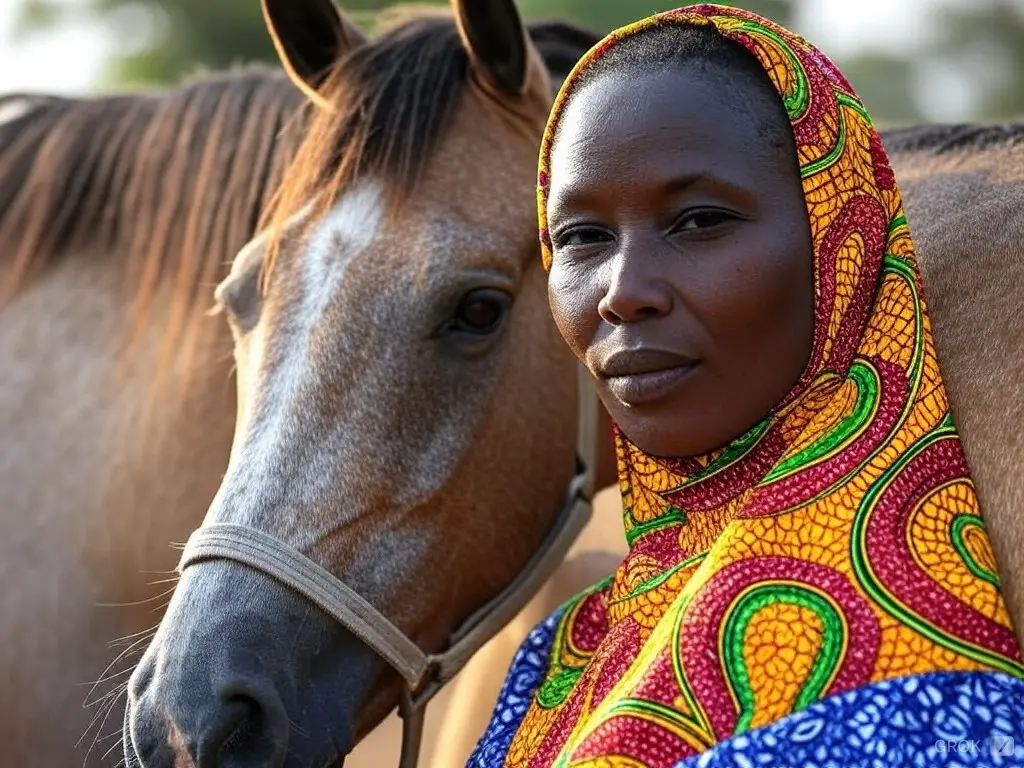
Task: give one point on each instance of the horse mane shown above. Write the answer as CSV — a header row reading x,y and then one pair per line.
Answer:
x,y
176,182
561,44
954,137
170,182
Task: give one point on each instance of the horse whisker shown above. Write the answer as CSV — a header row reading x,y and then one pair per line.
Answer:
x,y
125,638
106,679
136,603
112,747
160,608
110,666
173,572
170,580
101,718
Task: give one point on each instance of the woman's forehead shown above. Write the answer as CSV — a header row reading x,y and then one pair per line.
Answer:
x,y
660,96
672,117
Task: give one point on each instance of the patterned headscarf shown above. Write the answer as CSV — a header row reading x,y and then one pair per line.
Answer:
x,y
822,591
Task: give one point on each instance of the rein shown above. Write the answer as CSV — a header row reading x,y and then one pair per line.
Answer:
x,y
424,674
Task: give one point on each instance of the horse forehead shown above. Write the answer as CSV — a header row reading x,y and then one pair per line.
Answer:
x,y
346,231
434,247
473,208
485,164
310,282
406,256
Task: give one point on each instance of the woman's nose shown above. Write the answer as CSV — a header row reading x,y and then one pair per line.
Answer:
x,y
636,291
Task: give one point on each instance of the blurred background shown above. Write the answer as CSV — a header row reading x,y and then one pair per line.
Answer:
x,y
910,60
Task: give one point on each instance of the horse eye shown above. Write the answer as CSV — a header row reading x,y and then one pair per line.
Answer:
x,y
481,312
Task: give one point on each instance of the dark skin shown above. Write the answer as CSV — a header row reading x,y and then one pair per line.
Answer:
x,y
682,271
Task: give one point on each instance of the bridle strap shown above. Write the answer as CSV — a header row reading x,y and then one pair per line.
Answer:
x,y
424,674
265,553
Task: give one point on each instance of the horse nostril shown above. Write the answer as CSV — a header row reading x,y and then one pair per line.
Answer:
x,y
248,729
244,714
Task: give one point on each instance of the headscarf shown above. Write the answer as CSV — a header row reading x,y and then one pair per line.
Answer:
x,y
822,591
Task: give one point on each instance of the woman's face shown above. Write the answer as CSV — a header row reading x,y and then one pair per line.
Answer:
x,y
682,272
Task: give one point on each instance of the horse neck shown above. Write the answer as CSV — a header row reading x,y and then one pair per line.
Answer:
x,y
124,435
169,186
964,197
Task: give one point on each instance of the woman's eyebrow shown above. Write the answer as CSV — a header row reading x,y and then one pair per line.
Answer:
x,y
581,195
709,179
685,181
570,199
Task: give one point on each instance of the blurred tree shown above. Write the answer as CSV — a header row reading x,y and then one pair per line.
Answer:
x,y
975,61
885,84
164,40
605,15
982,43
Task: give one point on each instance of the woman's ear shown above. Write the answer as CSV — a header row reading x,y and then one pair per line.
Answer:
x,y
310,37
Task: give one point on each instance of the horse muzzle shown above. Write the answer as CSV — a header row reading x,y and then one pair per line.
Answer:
x,y
244,674
245,726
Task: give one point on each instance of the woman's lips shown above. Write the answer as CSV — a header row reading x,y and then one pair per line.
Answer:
x,y
644,375
637,388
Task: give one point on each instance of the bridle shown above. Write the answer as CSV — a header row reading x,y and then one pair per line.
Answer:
x,y
424,674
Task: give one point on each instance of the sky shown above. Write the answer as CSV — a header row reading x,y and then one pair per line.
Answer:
x,y
69,61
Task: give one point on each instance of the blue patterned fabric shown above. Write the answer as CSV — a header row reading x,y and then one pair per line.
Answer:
x,y
947,719
525,673
936,720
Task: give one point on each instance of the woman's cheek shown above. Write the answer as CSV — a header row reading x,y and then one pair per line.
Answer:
x,y
574,295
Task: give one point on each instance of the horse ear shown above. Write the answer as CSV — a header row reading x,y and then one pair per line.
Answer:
x,y
560,44
310,37
496,41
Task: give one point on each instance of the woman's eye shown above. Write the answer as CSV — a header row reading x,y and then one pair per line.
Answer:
x,y
702,219
581,236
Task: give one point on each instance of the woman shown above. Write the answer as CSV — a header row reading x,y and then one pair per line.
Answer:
x,y
809,580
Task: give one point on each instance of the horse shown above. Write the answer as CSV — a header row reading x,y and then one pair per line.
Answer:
x,y
242,666
963,192
119,214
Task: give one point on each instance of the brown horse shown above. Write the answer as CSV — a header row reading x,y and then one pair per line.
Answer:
x,y
241,668
392,341
118,216
963,188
